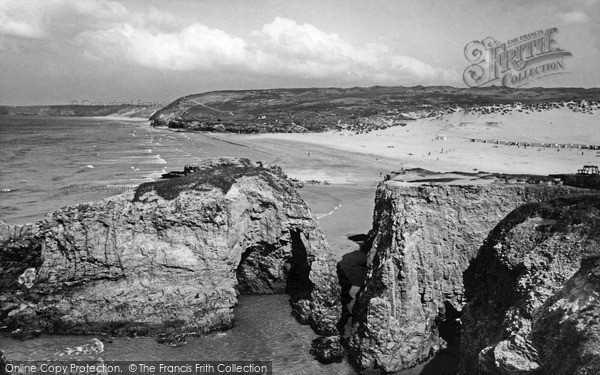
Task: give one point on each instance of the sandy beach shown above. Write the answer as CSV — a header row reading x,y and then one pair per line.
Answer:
x,y
444,144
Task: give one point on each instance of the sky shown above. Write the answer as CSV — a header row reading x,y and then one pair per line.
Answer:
x,y
139,51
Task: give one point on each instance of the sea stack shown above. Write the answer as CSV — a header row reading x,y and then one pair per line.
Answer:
x,y
422,240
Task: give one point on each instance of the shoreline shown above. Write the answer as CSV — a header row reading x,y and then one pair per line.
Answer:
x,y
120,118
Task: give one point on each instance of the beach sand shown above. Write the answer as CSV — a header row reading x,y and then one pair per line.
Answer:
x,y
444,144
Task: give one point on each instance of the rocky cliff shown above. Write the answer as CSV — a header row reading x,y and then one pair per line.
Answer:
x,y
170,257
423,238
533,293
85,109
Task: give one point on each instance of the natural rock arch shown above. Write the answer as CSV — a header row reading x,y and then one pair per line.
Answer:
x,y
169,256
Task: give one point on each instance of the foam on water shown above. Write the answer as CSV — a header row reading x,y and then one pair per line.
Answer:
x,y
55,152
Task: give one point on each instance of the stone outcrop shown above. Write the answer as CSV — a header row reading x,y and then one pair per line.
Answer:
x,y
423,238
328,349
533,293
170,257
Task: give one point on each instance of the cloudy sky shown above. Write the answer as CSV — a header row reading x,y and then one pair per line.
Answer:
x,y
56,51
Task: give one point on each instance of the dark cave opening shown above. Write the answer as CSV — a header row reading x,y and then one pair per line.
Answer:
x,y
449,324
299,285
260,270
273,269
446,360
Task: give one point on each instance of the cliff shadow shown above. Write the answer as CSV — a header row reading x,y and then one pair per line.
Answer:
x,y
352,273
352,269
444,362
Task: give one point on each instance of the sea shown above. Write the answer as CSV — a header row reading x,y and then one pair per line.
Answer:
x,y
50,162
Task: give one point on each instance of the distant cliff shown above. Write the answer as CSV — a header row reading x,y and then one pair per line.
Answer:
x,y
358,109
80,110
170,257
423,238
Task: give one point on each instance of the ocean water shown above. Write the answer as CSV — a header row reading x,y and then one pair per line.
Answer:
x,y
48,163
264,331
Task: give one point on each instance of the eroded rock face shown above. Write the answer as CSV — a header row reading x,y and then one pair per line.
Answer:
x,y
172,256
423,239
533,293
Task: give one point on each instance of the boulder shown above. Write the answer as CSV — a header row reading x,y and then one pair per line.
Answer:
x,y
328,349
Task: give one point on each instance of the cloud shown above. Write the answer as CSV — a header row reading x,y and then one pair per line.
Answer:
x,y
196,47
52,18
14,21
280,48
573,17
18,28
106,30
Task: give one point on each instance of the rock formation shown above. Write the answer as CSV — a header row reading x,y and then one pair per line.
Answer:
x,y
328,349
170,257
423,238
534,293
